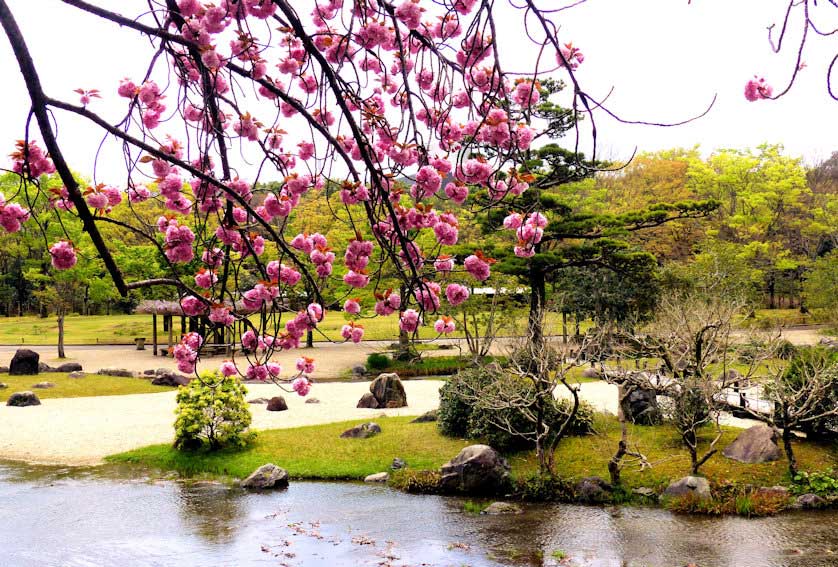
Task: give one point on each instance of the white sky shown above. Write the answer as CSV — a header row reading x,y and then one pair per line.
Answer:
x,y
665,60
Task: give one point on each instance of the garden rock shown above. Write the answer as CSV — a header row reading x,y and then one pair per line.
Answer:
x,y
362,431
3,385
592,490
427,417
258,401
24,362
277,403
757,444
43,385
398,464
640,406
266,477
389,391
377,477
119,372
646,492
501,509
809,501
312,401
44,367
590,372
780,491
4,369
359,370
696,485
367,401
75,375
170,379
69,367
149,372
477,469
23,399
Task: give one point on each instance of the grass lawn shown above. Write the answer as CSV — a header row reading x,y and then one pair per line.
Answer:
x,y
315,452
318,452
90,385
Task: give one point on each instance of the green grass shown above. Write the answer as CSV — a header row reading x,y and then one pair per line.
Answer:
x,y
432,365
315,452
90,385
584,456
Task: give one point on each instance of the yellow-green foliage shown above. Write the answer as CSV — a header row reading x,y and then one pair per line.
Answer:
x,y
212,412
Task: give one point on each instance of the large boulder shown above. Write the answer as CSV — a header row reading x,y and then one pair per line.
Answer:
x,y
69,367
757,444
24,363
477,469
23,399
367,401
592,490
695,485
640,406
266,477
389,391
171,379
277,403
362,431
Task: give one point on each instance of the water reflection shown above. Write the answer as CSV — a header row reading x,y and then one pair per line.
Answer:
x,y
64,518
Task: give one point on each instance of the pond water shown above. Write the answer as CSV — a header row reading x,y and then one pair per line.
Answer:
x,y
73,518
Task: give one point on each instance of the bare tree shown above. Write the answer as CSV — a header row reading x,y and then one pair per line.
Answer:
x,y
802,394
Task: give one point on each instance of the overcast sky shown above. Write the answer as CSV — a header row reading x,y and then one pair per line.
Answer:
x,y
664,59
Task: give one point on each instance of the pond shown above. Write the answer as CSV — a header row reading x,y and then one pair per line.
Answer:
x,y
77,518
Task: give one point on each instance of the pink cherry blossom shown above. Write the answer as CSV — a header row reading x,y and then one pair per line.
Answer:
x,y
63,255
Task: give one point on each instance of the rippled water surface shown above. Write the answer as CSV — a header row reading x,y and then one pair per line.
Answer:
x,y
54,517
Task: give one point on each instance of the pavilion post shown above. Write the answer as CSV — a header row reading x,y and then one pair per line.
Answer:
x,y
154,332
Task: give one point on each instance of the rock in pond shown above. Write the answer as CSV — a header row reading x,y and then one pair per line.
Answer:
x,y
277,403
266,477
24,363
477,469
377,477
389,391
592,490
696,485
43,385
367,401
362,431
809,502
501,509
757,444
427,417
23,399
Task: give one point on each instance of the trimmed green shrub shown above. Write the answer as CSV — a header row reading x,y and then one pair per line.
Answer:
x,y
377,361
212,413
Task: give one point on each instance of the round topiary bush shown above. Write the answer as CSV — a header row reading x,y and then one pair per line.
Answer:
x,y
377,361
212,413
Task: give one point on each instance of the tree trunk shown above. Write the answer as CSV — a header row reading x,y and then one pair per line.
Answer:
x,y
615,462
61,333
538,297
309,338
787,436
564,327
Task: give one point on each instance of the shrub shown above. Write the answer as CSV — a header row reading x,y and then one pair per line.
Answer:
x,y
786,350
820,483
460,416
416,482
377,361
212,412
